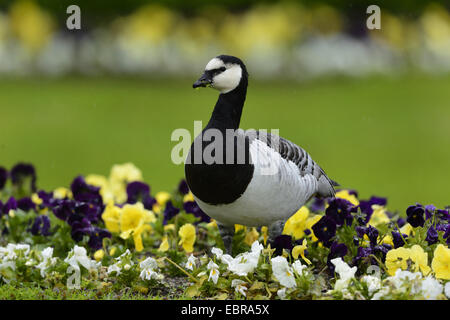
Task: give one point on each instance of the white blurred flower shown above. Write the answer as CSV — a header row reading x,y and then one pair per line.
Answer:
x,y
217,252
373,283
298,267
149,269
214,273
447,289
47,261
281,293
246,262
283,272
431,288
77,256
345,274
238,286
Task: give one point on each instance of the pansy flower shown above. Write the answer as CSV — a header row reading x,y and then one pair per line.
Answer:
x,y
193,207
325,229
340,211
282,242
337,250
84,192
22,173
3,177
366,206
397,239
11,204
187,237
432,236
41,226
169,212
26,204
183,187
318,205
415,215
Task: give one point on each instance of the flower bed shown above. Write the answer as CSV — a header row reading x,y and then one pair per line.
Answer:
x,y
109,233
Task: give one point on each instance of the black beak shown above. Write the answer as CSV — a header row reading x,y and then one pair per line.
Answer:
x,y
204,81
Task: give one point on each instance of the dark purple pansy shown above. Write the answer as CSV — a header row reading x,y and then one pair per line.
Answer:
x,y
84,192
192,207
64,209
415,215
22,172
90,211
362,253
169,212
96,238
183,187
282,242
140,191
401,222
366,206
383,249
325,229
336,250
318,205
429,211
372,234
47,199
443,214
81,228
26,204
432,236
41,226
340,211
11,204
3,177
397,239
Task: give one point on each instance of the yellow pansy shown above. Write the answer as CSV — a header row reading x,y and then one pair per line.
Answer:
x,y
296,225
441,262
162,197
112,251
169,227
111,217
99,254
344,194
120,176
407,229
188,197
212,224
379,216
404,257
62,193
420,259
300,250
238,227
133,221
187,235
310,222
395,259
164,246
251,236
36,200
103,183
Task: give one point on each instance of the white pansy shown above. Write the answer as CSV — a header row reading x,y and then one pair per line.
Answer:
x,y
431,288
283,272
404,279
244,263
298,267
149,269
78,256
447,289
214,273
281,293
373,283
191,262
47,261
346,274
239,287
217,252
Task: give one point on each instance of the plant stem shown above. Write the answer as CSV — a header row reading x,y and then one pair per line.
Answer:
x,y
182,270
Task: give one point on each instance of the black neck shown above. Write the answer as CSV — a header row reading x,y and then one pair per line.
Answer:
x,y
228,110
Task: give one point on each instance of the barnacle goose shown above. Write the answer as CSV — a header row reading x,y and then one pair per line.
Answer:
x,y
256,178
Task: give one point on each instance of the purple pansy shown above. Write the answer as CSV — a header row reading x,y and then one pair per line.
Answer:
x,y
183,187
192,207
415,215
11,204
282,242
397,239
432,236
169,212
3,177
26,204
140,191
41,226
336,250
325,229
84,192
429,211
22,172
366,206
318,205
340,211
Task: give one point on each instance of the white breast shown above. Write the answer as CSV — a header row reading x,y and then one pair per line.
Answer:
x,y
276,191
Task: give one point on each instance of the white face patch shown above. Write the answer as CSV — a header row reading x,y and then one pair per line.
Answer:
x,y
227,80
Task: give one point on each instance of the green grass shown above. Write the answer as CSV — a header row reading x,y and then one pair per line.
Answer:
x,y
381,136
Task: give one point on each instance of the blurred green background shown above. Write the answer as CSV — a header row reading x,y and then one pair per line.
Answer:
x,y
371,107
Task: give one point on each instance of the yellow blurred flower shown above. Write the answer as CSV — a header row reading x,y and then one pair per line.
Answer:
x,y
344,194
111,217
99,254
212,224
419,259
296,225
300,250
112,251
188,236
169,227
120,176
103,183
441,262
164,246
30,24
62,193
264,232
188,197
310,222
239,227
36,200
251,236
162,197
379,216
